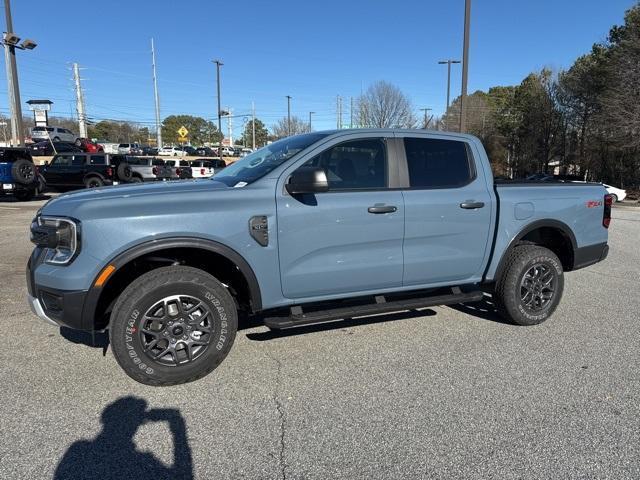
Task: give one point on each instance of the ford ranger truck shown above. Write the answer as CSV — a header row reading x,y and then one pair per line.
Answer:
x,y
312,228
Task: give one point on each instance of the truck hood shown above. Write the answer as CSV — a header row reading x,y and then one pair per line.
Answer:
x,y
129,195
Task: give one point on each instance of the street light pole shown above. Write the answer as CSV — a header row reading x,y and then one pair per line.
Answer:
x,y
289,115
14,87
448,64
465,64
156,97
218,64
310,113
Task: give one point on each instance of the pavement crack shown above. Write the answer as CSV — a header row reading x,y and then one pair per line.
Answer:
x,y
282,417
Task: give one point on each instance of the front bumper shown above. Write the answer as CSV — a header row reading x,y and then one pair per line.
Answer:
x,y
63,308
36,308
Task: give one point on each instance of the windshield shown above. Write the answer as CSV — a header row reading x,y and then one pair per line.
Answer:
x,y
258,164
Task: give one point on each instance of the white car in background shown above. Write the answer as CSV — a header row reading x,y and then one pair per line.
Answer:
x,y
171,152
617,193
227,152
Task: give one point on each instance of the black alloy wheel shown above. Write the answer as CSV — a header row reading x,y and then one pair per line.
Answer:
x,y
176,330
538,287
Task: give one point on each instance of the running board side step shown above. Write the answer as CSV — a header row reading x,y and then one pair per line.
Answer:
x,y
298,318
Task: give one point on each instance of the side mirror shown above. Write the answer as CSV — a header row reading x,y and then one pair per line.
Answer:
x,y
307,180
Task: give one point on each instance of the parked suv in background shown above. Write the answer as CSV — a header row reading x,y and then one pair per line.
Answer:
x,y
57,134
48,148
130,149
18,174
83,170
205,152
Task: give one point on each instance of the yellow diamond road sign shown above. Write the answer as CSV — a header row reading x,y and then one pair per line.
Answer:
x,y
183,131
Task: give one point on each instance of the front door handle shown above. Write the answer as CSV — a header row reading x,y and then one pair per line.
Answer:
x,y
471,205
382,209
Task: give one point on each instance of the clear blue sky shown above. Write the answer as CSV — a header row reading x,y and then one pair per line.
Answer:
x,y
309,50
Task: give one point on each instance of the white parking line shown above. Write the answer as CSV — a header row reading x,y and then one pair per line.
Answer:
x,y
9,208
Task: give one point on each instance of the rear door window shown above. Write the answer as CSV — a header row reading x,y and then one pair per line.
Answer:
x,y
79,160
98,160
437,163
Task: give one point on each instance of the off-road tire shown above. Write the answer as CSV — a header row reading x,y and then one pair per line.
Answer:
x,y
133,304
123,172
508,290
135,179
93,182
23,171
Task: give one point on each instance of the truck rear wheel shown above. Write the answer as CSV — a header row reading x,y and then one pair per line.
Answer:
x,y
531,285
172,325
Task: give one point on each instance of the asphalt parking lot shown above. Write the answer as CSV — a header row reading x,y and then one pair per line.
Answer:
x,y
441,393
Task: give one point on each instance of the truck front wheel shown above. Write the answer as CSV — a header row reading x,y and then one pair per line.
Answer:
x,y
530,286
172,325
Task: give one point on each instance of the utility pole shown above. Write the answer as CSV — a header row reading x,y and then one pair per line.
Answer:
x,y
351,113
82,117
253,126
12,77
289,114
465,64
310,113
426,120
339,112
230,126
156,97
218,64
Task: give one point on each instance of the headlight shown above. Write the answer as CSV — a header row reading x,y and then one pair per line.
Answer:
x,y
59,238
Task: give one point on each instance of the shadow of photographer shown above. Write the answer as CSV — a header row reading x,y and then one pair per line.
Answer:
x,y
113,453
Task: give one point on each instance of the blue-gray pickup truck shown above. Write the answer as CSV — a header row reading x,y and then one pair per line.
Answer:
x,y
312,228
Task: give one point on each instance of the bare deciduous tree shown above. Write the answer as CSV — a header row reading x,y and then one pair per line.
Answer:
x,y
281,128
385,106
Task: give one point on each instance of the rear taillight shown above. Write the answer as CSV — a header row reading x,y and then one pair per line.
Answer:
x,y
202,172
109,172
178,171
154,170
606,215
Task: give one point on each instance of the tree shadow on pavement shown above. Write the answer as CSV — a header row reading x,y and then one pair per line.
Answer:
x,y
333,325
113,453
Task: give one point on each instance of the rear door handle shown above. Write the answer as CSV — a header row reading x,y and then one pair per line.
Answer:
x,y
471,205
382,209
